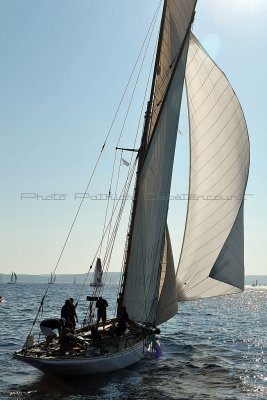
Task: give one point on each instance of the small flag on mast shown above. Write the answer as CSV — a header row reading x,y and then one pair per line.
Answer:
x,y
124,162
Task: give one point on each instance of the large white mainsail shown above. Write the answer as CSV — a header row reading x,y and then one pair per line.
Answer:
x,y
211,261
146,250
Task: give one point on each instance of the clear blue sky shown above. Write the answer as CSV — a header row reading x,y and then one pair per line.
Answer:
x,y
64,65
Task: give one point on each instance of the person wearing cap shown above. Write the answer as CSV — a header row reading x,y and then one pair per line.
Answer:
x,y
47,327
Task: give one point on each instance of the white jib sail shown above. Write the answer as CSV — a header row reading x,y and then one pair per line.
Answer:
x,y
212,256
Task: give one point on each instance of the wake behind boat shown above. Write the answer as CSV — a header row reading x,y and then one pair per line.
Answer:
x,y
212,256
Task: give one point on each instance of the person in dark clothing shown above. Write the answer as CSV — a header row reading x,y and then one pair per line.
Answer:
x,y
101,306
67,341
66,312
119,304
72,312
47,327
95,336
112,330
122,322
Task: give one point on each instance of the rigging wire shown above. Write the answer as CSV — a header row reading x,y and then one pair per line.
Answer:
x,y
124,196
94,169
148,40
138,127
165,79
110,242
115,230
149,34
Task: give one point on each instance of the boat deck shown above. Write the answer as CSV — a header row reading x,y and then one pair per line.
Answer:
x,y
84,346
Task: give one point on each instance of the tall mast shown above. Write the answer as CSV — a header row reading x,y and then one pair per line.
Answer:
x,y
171,62
143,146
152,91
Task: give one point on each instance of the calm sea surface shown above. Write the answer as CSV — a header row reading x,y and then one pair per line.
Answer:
x,y
213,349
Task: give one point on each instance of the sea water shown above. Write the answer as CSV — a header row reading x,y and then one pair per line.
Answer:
x,y
212,349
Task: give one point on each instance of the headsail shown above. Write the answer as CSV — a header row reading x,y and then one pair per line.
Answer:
x,y
147,236
167,306
211,261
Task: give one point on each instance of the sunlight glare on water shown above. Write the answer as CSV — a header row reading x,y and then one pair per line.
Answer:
x,y
213,349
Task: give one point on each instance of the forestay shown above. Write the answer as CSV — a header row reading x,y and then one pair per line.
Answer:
x,y
212,257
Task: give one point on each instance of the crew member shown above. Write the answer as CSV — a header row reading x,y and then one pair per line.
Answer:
x,y
47,327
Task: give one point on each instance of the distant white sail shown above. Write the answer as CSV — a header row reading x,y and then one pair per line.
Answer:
x,y
13,278
52,279
211,261
98,274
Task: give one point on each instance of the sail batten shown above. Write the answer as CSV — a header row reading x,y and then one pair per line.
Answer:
x,y
212,256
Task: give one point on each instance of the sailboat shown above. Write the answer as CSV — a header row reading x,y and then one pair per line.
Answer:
x,y
52,279
98,274
2,300
212,256
74,280
13,279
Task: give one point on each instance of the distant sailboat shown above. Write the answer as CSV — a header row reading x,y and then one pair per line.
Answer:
x,y
74,280
13,279
98,274
52,279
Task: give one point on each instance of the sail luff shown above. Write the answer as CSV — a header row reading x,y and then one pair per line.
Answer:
x,y
172,67
141,153
144,141
189,188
